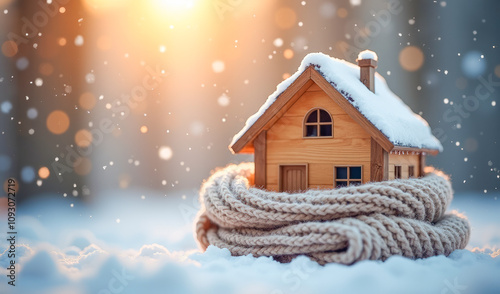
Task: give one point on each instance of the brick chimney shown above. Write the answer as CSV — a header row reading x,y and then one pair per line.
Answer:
x,y
367,62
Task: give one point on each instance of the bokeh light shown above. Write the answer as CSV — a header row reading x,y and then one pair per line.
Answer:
x,y
6,106
342,12
144,129
87,101
285,17
165,152
9,48
46,68
79,40
218,66
32,113
4,3
5,162
22,63
288,53
196,128
327,10
223,100
28,174
473,64
83,138
58,122
61,41
43,172
124,181
38,82
90,78
278,42
411,58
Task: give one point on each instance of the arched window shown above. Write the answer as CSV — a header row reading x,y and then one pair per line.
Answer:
x,y
318,123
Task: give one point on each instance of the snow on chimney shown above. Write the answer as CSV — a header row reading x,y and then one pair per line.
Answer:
x,y
367,62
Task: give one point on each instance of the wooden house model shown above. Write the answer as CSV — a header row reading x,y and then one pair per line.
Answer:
x,y
334,124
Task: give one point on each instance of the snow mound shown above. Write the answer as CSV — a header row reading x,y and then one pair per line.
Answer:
x,y
216,271
367,54
121,263
153,251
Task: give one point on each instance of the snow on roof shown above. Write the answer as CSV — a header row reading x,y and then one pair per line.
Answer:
x,y
383,109
367,54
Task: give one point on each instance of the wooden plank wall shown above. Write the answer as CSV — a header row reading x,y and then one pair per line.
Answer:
x,y
379,163
405,161
260,159
350,144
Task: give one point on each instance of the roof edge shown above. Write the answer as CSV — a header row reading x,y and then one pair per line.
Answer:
x,y
416,149
272,112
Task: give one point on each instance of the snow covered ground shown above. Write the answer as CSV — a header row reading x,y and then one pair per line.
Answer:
x,y
126,243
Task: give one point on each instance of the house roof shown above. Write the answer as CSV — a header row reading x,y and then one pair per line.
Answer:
x,y
383,114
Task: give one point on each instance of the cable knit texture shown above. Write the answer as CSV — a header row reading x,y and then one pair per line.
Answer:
x,y
344,225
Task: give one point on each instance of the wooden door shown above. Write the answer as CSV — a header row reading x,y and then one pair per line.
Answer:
x,y
293,178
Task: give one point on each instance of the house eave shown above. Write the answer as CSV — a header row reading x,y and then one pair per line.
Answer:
x,y
415,150
245,143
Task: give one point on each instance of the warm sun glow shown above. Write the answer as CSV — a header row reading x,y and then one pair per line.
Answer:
x,y
161,6
100,5
174,4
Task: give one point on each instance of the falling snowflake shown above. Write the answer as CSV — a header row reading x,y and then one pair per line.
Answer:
x,y
90,78
278,42
79,40
165,152
223,100
218,66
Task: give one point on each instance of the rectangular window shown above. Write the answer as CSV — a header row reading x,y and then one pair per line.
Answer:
x,y
347,176
397,171
411,171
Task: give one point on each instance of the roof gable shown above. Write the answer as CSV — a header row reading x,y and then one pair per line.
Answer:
x,y
270,112
382,114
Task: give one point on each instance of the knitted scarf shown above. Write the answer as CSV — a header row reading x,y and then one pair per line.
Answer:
x,y
343,225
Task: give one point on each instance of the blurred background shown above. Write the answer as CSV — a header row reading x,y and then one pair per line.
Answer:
x,y
129,95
